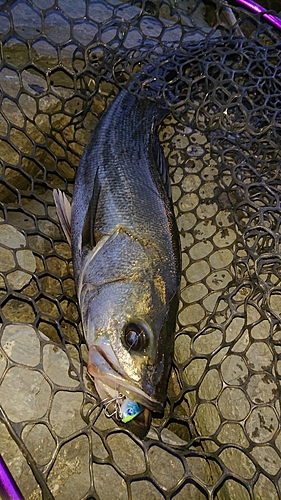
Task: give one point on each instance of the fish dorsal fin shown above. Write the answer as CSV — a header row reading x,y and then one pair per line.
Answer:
x,y
63,208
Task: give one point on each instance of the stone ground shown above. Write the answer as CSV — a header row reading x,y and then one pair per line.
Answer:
x,y
223,380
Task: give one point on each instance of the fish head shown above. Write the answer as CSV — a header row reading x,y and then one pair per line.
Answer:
x,y
128,305
129,349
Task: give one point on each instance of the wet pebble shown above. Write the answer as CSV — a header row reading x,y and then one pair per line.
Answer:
x,y
233,404
18,262
233,433
71,470
262,424
259,356
165,467
39,442
11,237
129,457
21,343
24,394
238,462
234,370
267,458
65,415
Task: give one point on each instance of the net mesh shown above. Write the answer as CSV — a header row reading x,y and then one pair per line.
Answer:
x,y
62,63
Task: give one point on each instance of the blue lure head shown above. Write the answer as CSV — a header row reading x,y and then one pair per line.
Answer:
x,y
125,409
129,409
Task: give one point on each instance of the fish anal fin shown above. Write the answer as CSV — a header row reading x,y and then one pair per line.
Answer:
x,y
63,208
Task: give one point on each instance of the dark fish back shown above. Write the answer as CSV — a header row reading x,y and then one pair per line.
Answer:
x,y
122,181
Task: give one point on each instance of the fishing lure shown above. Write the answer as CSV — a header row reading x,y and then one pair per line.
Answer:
x,y
125,409
129,410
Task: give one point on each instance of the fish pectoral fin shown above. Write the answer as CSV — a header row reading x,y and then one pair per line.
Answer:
x,y
118,256
63,208
88,231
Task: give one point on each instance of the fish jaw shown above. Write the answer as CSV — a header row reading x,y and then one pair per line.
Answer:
x,y
110,378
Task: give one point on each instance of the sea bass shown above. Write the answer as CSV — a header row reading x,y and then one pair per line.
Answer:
x,y
126,255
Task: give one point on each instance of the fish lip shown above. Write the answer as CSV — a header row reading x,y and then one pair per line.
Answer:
x,y
109,378
112,362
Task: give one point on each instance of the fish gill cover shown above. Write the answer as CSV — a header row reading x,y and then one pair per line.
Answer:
x,y
62,63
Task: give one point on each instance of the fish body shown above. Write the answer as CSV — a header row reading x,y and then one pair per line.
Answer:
x,y
126,255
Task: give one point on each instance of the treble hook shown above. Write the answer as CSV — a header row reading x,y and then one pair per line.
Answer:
x,y
107,402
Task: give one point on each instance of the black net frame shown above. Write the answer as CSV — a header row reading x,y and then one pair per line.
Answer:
x,y
62,63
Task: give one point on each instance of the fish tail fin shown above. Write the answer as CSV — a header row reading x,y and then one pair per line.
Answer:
x,y
63,208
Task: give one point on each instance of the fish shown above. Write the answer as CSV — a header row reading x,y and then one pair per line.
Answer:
x,y
126,255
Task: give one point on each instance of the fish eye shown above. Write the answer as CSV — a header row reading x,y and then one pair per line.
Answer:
x,y
134,337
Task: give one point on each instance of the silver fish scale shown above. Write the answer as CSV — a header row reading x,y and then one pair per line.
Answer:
x,y
63,63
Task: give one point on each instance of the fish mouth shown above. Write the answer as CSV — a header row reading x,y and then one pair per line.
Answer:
x,y
110,378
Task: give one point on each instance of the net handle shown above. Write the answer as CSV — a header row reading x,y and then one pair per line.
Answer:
x,y
258,9
8,487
